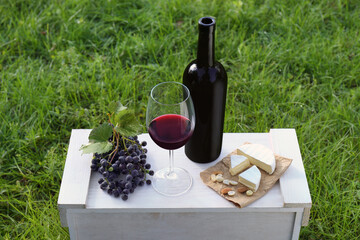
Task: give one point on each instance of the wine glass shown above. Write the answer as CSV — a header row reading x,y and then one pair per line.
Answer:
x,y
170,120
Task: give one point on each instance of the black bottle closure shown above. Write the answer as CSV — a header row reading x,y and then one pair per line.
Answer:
x,y
207,82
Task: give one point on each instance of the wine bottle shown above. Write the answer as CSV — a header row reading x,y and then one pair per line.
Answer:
x,y
207,82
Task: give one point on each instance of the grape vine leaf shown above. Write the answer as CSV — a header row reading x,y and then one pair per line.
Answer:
x,y
115,107
126,123
122,120
96,147
101,133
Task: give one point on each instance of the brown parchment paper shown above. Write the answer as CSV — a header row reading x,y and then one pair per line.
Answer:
x,y
241,199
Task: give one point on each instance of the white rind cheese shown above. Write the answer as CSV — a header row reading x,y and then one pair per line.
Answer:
x,y
251,178
259,155
238,164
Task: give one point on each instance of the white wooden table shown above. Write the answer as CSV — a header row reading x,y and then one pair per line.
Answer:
x,y
201,213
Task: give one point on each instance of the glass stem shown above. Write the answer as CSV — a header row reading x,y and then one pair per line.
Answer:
x,y
171,161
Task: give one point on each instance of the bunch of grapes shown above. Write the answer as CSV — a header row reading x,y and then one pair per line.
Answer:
x,y
124,168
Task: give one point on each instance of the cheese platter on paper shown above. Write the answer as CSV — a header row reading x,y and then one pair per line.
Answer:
x,y
246,174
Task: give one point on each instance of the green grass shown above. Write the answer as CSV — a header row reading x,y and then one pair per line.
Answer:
x,y
291,64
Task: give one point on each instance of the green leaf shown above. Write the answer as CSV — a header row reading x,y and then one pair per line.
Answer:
x,y
126,123
97,147
115,107
101,133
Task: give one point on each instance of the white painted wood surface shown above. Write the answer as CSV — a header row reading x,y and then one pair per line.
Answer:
x,y
75,181
84,201
293,183
199,197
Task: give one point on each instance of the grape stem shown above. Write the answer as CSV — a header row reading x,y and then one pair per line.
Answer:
x,y
116,137
134,142
113,153
123,139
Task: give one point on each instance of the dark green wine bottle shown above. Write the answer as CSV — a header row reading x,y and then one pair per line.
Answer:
x,y
207,82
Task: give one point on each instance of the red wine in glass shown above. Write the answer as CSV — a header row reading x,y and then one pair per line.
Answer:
x,y
170,120
170,131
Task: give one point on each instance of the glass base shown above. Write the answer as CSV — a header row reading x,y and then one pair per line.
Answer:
x,y
172,184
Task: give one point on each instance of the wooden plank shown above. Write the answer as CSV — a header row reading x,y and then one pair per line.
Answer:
x,y
297,225
293,183
76,176
179,226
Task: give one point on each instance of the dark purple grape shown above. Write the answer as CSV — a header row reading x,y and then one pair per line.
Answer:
x,y
129,166
94,167
151,173
131,148
142,161
126,191
112,185
104,185
112,176
124,197
104,163
147,166
117,183
148,182
128,185
120,189
122,183
134,173
141,175
121,159
110,191
101,180
129,177
116,193
141,183
101,170
136,159
143,156
115,167
143,143
106,174
136,180
122,166
128,159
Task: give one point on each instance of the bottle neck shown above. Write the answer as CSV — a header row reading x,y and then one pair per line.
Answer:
x,y
206,42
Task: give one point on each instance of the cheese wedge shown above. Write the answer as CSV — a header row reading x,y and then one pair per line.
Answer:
x,y
259,155
238,164
251,178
